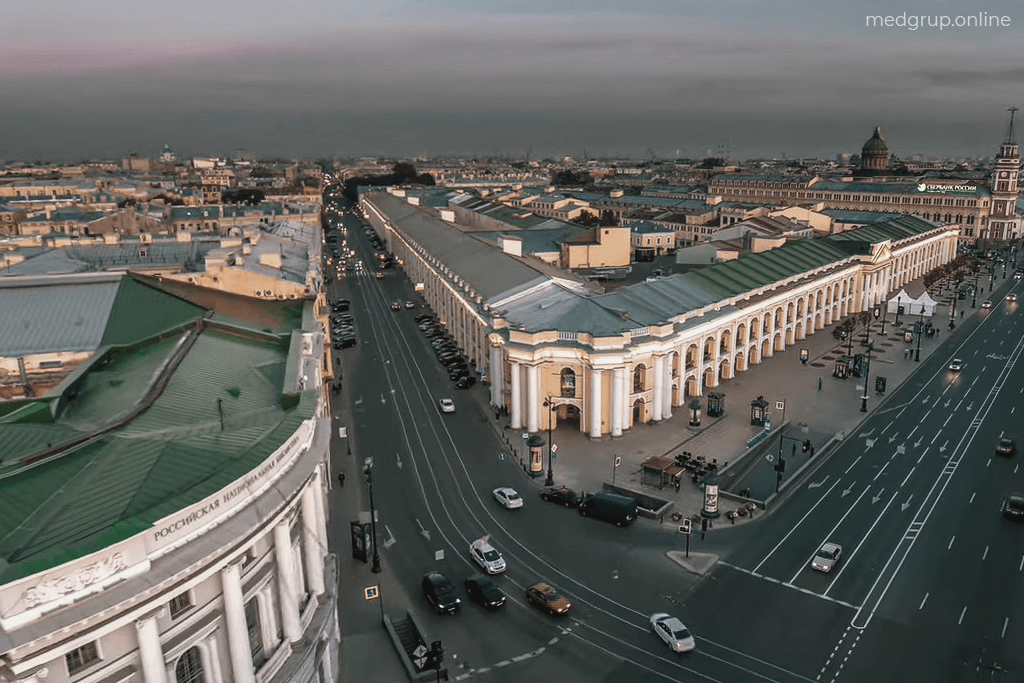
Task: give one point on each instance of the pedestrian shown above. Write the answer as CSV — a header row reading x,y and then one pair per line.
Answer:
x,y
675,480
341,478
819,384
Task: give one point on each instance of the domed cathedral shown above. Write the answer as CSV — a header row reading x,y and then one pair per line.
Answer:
x,y
874,155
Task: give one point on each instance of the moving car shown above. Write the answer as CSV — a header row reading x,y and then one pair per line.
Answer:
x,y
486,556
548,598
956,365
1006,447
1011,297
508,497
379,275
482,590
562,495
986,304
827,557
673,632
395,306
1013,507
447,405
409,304
440,593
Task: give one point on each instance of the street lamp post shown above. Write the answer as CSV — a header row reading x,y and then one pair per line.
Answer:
x,y
550,479
867,374
375,567
920,331
899,301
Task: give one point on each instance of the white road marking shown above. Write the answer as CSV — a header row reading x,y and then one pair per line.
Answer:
x,y
795,526
961,619
923,600
1006,622
984,554
951,539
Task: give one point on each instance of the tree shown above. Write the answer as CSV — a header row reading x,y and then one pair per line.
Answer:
x,y
587,219
567,177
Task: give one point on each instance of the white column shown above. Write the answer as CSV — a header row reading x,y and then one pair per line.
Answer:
x,y
666,385
286,582
238,632
497,374
618,397
656,391
517,396
533,398
154,670
595,403
313,543
212,662
627,388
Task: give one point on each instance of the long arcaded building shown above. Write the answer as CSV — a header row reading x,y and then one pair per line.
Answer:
x,y
555,348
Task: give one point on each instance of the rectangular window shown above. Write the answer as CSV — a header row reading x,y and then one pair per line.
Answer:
x,y
180,604
81,657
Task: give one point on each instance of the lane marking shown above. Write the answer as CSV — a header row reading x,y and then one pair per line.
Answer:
x,y
923,600
951,539
796,526
961,619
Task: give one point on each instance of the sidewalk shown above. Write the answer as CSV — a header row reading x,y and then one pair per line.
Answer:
x,y
818,407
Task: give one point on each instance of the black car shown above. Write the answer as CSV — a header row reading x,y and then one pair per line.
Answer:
x,y
465,382
1013,507
482,590
457,374
562,495
423,317
1006,447
440,593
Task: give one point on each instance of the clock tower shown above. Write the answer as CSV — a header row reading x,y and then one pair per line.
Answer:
x,y
1003,222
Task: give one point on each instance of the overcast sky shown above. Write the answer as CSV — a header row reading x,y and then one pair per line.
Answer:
x,y
539,77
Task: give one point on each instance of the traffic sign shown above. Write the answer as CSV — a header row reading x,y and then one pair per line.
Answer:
x,y
501,455
371,592
419,656
618,460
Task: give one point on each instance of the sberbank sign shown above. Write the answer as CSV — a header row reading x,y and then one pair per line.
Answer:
x,y
945,187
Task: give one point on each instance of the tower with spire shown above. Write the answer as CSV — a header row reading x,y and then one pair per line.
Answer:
x,y
1003,222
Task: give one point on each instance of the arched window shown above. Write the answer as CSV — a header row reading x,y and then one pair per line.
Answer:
x,y
568,383
189,668
639,378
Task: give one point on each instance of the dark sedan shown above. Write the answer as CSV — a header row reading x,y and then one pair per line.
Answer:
x,y
561,495
484,591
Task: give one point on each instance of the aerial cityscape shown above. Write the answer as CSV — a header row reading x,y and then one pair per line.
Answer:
x,y
465,342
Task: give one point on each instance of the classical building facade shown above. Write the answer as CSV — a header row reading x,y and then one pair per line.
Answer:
x,y
970,205
556,349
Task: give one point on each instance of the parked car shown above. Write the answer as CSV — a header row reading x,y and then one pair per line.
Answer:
x,y
673,632
484,591
440,593
827,557
609,507
465,382
485,555
1006,447
548,598
562,495
508,497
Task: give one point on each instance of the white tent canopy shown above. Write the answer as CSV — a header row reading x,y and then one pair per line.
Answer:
x,y
922,305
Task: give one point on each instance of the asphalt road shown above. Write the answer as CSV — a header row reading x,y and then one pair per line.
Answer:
x,y
929,587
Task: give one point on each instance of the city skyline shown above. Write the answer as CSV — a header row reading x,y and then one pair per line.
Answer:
x,y
403,79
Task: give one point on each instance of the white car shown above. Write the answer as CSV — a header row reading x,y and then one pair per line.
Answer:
x,y
508,497
827,558
673,632
447,405
486,556
956,365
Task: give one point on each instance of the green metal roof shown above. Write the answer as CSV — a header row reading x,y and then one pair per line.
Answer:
x,y
143,466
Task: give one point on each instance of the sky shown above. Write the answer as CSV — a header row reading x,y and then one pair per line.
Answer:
x,y
530,78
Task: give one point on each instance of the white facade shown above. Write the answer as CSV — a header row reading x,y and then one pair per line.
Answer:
x,y
236,588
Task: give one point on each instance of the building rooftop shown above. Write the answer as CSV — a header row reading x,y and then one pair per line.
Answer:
x,y
169,408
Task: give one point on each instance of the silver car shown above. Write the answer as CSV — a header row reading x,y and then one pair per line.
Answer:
x,y
673,632
827,558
